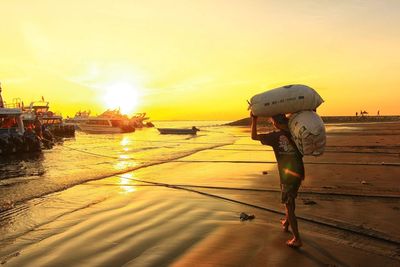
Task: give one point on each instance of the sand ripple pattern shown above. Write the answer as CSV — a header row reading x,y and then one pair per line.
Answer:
x,y
140,232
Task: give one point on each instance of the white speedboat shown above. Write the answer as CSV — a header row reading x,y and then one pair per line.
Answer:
x,y
106,123
80,117
98,125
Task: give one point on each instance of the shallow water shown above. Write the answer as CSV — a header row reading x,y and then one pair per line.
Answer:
x,y
89,157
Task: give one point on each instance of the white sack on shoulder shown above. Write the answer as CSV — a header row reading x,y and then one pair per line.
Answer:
x,y
308,132
286,99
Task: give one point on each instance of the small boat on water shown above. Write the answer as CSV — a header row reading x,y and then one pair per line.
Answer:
x,y
192,130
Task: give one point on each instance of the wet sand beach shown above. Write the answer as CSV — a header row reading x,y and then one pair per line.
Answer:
x,y
185,212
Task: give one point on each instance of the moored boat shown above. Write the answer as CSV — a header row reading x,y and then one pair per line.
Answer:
x,y
105,126
13,137
111,121
49,120
80,117
192,130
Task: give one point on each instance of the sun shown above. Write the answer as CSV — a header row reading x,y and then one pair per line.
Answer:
x,y
122,95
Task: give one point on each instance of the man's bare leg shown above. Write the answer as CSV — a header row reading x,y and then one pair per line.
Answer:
x,y
296,241
285,221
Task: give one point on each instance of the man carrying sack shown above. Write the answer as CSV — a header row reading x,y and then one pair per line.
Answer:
x,y
291,169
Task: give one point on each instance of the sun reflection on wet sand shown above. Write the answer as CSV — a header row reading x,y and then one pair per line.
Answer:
x,y
125,141
126,183
124,163
124,157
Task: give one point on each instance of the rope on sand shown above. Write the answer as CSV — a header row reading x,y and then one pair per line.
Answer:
x,y
329,223
310,163
326,151
253,144
390,164
301,192
91,153
261,150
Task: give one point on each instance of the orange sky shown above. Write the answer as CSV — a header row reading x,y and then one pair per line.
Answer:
x,y
181,59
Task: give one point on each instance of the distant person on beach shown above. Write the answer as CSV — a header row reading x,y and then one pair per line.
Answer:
x,y
291,169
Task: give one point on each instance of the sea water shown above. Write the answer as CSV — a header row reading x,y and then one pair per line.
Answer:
x,y
94,156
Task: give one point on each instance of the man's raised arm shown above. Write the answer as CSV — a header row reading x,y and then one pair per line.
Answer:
x,y
254,134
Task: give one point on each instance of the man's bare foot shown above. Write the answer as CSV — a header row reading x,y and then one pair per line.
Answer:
x,y
285,225
294,243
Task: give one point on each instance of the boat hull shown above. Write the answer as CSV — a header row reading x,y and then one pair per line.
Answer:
x,y
103,130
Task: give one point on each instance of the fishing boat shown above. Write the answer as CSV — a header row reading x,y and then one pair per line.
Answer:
x,y
192,130
50,120
11,120
11,130
13,137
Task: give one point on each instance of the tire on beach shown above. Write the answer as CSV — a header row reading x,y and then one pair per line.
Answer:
x,y
17,143
5,144
32,142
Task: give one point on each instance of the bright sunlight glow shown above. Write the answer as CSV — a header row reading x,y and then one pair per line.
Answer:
x,y
122,95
